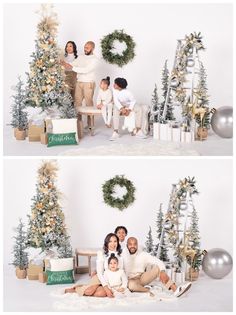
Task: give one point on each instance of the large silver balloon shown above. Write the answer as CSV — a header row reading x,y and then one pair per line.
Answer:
x,y
217,263
222,122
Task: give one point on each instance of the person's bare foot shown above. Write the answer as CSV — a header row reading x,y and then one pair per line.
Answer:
x,y
70,290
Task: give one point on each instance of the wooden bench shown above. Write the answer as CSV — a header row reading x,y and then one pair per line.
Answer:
x,y
90,112
89,253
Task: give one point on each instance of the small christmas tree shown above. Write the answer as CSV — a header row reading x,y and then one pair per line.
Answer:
x,y
155,108
46,86
65,249
19,115
195,240
19,249
202,99
161,247
166,98
149,241
47,227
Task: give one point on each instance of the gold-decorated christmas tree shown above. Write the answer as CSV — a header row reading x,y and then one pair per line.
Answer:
x,y
45,81
47,228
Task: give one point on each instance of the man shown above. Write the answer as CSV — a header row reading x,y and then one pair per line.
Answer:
x,y
124,104
84,66
135,265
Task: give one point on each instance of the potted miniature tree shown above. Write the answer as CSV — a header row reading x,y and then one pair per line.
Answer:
x,y
19,116
20,260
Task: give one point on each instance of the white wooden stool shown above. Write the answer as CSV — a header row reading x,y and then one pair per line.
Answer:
x,y
89,252
90,112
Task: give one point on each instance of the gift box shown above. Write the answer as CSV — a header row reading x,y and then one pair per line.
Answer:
x,y
42,277
34,270
164,131
156,130
35,131
44,138
48,126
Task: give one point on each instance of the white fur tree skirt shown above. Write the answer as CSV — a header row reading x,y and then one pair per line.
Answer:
x,y
144,147
73,302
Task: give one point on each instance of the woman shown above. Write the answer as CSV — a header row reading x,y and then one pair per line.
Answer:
x,y
98,286
69,56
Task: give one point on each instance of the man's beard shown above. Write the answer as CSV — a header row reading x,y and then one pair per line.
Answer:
x,y
87,53
132,253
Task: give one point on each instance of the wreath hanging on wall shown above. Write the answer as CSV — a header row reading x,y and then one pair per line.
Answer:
x,y
110,194
107,45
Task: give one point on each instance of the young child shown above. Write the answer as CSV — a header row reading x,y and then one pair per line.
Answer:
x,y
121,232
116,278
70,55
104,101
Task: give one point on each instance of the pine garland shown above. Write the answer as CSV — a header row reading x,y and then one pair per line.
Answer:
x,y
108,191
107,46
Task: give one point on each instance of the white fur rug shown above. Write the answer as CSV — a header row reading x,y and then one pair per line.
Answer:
x,y
144,148
73,302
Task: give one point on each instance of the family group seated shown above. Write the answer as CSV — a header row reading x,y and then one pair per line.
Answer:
x,y
122,268
80,71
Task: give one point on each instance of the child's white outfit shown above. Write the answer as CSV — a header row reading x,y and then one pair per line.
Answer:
x,y
129,122
105,97
116,280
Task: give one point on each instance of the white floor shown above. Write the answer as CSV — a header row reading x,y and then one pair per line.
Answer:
x,y
99,144
206,295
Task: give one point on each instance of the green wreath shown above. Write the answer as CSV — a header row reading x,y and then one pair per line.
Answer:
x,y
107,46
108,189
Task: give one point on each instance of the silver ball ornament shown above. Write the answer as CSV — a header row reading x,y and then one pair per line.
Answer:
x,y
183,206
174,83
222,122
190,62
217,263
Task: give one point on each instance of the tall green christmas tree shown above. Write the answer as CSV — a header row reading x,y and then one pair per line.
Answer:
x,y
19,250
47,228
149,241
202,98
19,115
45,85
194,240
161,247
169,106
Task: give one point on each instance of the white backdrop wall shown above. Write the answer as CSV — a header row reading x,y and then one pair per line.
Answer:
x,y
89,219
154,27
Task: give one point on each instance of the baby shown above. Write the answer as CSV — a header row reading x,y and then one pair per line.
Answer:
x,y
116,278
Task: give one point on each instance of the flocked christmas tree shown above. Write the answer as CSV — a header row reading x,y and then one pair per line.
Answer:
x,y
46,86
47,228
202,98
19,115
169,106
155,108
161,251
19,250
149,242
65,249
194,240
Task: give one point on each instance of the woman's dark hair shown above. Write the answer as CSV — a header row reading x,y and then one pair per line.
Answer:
x,y
121,228
106,80
113,256
107,240
121,82
74,48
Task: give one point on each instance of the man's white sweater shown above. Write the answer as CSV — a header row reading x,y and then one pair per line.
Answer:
x,y
136,264
85,66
